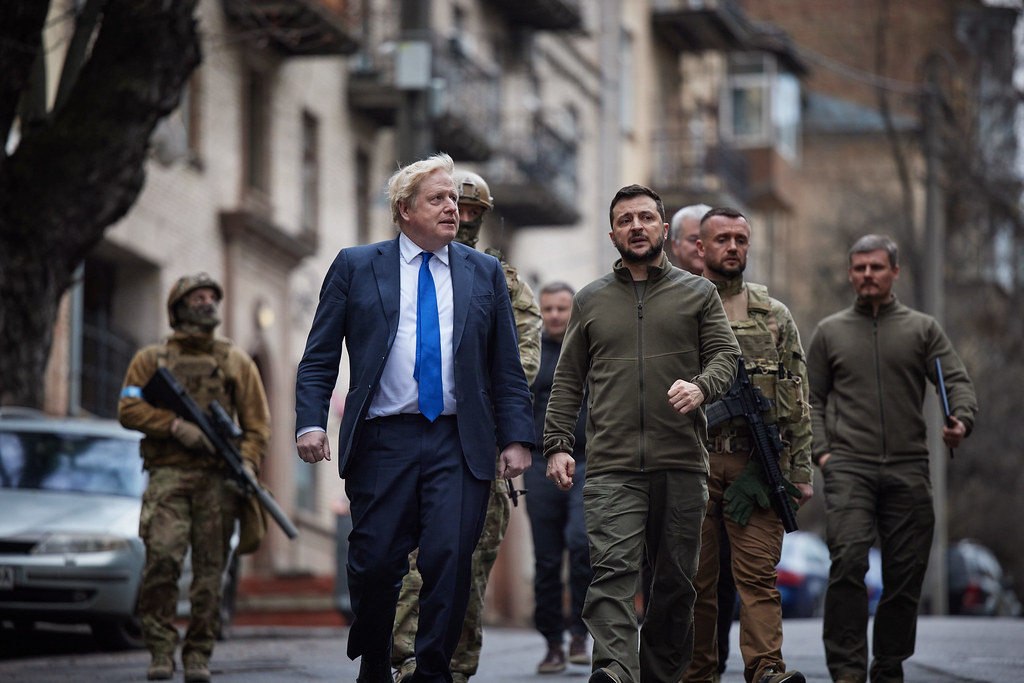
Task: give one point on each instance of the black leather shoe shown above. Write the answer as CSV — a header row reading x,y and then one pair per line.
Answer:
x,y
375,668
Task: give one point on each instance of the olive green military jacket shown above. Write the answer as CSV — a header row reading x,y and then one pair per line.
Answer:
x,y
527,316
629,342
868,376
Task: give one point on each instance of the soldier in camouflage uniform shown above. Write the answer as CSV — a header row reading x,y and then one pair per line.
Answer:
x,y
474,200
189,499
770,345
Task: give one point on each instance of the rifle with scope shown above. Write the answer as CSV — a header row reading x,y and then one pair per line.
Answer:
x,y
164,390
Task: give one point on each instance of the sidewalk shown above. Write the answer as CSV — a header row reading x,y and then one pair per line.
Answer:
x,y
949,650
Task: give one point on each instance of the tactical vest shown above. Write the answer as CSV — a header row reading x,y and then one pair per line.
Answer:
x,y
202,374
204,377
767,370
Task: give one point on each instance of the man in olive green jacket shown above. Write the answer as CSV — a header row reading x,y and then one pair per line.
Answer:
x,y
653,345
868,366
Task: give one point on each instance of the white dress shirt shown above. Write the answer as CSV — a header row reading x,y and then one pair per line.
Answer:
x,y
398,392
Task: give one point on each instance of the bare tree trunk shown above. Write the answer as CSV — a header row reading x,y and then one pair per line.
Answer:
x,y
79,171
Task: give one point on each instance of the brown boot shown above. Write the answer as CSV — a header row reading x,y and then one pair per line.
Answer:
x,y
161,668
578,652
197,671
554,660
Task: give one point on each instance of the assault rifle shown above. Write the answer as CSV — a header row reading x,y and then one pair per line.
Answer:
x,y
164,390
745,400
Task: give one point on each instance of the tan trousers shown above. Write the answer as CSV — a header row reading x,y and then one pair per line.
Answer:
x,y
755,552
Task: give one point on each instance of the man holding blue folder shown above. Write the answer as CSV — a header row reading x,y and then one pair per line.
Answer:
x,y
868,366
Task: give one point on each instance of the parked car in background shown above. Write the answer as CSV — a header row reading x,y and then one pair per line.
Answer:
x,y
803,575
977,584
873,579
70,553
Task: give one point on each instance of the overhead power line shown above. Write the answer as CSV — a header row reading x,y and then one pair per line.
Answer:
x,y
859,75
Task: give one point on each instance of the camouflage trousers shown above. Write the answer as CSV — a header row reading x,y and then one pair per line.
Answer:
x,y
183,507
467,654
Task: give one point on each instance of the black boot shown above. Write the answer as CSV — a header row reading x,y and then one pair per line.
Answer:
x,y
375,668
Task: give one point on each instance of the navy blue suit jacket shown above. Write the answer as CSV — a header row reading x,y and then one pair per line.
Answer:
x,y
359,302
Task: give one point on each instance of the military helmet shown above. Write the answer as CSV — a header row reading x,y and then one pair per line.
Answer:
x,y
185,286
473,189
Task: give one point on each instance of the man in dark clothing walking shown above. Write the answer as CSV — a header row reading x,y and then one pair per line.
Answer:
x,y
556,517
868,366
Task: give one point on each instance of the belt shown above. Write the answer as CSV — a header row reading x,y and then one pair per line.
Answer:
x,y
408,418
732,443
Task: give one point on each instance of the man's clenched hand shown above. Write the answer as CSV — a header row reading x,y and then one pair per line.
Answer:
x,y
685,396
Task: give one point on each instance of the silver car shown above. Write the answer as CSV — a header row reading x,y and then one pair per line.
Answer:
x,y
70,553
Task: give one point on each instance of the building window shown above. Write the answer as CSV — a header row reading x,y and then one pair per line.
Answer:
x,y
257,128
106,350
310,173
761,105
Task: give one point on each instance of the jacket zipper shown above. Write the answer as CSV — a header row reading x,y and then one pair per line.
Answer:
x,y
640,361
881,396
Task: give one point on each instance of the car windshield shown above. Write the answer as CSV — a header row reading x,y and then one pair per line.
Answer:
x,y
83,463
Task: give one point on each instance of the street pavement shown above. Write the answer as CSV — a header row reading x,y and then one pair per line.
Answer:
x,y
965,649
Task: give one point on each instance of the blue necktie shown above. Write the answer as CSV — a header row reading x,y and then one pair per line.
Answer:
x,y
428,344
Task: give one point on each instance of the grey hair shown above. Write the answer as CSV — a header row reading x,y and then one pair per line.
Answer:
x,y
404,183
693,211
875,243
555,288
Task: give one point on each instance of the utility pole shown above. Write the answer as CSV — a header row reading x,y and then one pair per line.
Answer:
x,y
936,580
413,78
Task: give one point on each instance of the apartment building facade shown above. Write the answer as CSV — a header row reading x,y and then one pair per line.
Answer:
x,y
279,154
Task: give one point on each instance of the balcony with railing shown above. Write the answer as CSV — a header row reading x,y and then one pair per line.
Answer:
x,y
543,15
299,27
690,169
464,95
533,177
699,25
465,101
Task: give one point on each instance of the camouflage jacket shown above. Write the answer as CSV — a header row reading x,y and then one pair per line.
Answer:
x,y
770,345
527,315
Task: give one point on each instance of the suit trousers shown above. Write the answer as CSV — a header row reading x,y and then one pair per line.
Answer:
x,y
409,487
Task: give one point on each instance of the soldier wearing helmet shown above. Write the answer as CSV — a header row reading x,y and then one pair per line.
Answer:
x,y
474,201
189,498
179,313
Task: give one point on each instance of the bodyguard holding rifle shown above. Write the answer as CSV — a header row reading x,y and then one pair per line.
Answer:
x,y
192,497
759,457
164,391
